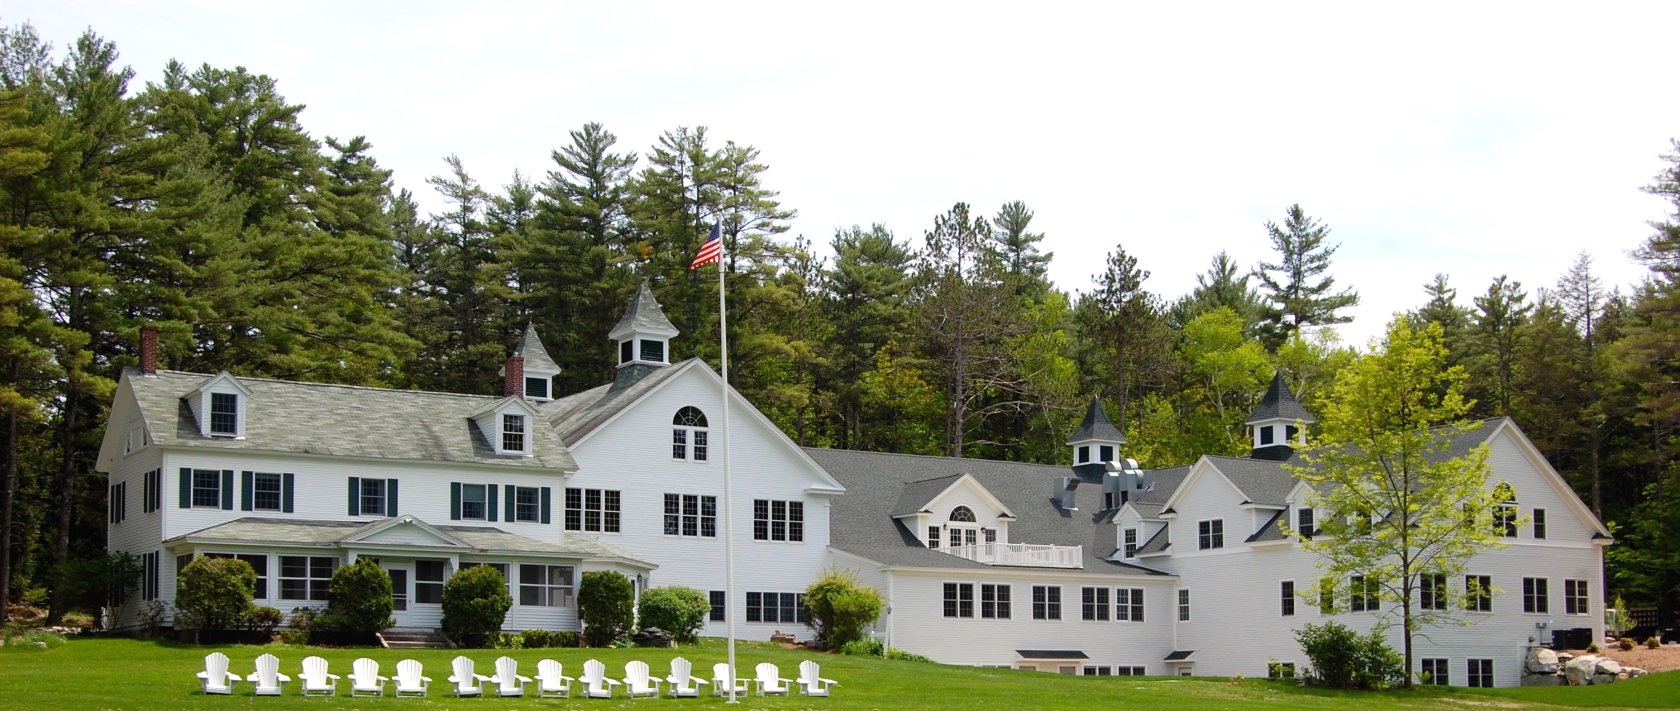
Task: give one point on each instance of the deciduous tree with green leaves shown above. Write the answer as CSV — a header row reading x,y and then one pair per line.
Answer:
x,y
1395,507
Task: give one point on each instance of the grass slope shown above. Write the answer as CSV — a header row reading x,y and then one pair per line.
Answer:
x,y
130,674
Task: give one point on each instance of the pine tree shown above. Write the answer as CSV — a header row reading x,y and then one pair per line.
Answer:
x,y
1018,247
864,298
1125,324
1297,286
469,282
1442,308
1500,314
1223,285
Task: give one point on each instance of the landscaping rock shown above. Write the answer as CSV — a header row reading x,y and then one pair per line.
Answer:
x,y
1542,680
784,638
1603,679
652,637
1608,666
1634,672
1623,676
1542,661
1564,657
1580,670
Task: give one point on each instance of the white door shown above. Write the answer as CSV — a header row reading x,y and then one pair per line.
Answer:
x,y
401,586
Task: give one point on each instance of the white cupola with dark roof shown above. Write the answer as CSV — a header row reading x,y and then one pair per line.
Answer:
x,y
530,372
643,334
1096,442
1276,423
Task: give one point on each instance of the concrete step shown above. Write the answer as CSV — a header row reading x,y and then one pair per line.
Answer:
x,y
413,638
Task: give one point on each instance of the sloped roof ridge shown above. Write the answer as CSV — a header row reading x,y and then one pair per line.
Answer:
x,y
530,347
1097,426
310,383
936,456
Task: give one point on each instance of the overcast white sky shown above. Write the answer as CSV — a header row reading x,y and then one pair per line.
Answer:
x,y
1471,139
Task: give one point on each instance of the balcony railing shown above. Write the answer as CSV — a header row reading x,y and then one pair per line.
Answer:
x,y
1022,554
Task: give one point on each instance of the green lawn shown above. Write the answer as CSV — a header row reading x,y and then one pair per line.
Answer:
x,y
130,674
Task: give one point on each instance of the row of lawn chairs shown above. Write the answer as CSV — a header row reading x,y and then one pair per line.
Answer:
x,y
551,682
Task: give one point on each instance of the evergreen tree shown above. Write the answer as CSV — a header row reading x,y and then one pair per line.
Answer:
x,y
1298,287
1124,323
469,280
1500,315
1018,248
864,298
1223,285
1442,308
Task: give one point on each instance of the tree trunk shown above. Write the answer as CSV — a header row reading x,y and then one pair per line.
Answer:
x,y
6,496
66,507
1597,494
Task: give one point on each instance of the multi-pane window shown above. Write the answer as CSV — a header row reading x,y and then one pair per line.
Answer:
x,y
1435,672
1098,671
1364,594
224,414
959,599
1478,593
265,492
679,443
545,585
595,510
259,565
1183,605
1535,595
989,534
777,607
527,504
719,602
1047,602
118,502
1093,604
1480,673
1575,597
689,425
1538,518
1210,534
513,433
149,491
428,581
1432,591
1128,604
1128,671
785,521
690,515
1280,670
1505,521
373,497
1304,523
1131,542
474,503
207,488
1287,590
932,539
994,601
305,577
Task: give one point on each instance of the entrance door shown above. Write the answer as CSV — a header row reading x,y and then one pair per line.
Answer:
x,y
399,594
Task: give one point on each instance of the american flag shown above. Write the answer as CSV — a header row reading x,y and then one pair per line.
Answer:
x,y
712,250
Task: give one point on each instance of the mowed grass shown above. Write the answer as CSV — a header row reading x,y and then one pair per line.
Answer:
x,y
134,674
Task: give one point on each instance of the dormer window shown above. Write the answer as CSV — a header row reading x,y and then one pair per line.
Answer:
x,y
224,414
536,388
513,433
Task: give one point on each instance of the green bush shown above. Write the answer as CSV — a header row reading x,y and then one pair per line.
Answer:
x,y
107,581
872,648
475,603
543,639
606,606
263,620
34,640
1653,643
1344,659
839,609
675,609
214,593
1626,643
359,601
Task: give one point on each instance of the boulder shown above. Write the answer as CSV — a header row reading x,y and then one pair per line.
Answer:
x,y
1542,661
1633,672
1580,670
1623,676
652,637
1603,679
1542,680
1564,657
784,637
1608,666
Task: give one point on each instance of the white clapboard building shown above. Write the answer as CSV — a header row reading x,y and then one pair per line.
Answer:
x,y
1094,569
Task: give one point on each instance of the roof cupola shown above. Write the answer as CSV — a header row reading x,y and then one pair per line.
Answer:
x,y
643,334
1095,443
1276,423
529,372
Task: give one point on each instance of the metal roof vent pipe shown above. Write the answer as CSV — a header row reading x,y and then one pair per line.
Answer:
x,y
1063,492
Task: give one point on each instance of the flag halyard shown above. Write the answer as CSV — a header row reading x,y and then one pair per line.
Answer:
x,y
712,251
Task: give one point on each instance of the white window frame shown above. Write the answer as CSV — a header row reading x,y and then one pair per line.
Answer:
x,y
483,502
503,431
1047,603
1576,590
1129,542
691,442
1002,609
362,496
1213,539
793,531
1288,603
1101,605
1537,524
548,592
1537,596
210,414
1440,675
1184,600
958,587
1123,611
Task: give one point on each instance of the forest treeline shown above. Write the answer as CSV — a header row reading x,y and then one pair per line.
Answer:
x,y
200,204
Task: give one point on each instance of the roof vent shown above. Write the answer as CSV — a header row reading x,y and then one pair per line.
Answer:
x,y
1063,492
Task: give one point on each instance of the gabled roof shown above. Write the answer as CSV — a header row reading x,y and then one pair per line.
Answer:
x,y
530,348
918,494
1261,481
578,414
1280,404
504,401
643,315
1096,427
1269,531
366,534
453,539
1157,543
339,420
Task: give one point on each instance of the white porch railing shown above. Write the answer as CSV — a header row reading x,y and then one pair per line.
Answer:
x,y
1022,554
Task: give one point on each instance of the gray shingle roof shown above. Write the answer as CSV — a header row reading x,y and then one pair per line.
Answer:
x,y
1158,486
1261,481
579,414
1269,530
1280,403
918,493
644,315
332,534
340,420
862,523
1051,654
1156,544
1096,426
530,348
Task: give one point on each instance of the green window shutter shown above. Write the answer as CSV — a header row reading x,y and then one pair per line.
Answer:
x,y
186,488
545,500
490,502
227,489
512,512
246,488
390,497
286,493
355,495
455,501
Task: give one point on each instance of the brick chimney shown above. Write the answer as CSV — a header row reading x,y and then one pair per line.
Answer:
x,y
515,384
148,350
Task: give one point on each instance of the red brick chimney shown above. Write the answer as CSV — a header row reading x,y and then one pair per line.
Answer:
x,y
515,384
148,349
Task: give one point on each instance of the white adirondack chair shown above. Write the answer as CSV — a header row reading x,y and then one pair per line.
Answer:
x,y
410,682
316,680
596,685
267,677
637,683
507,679
465,681
811,682
770,681
365,679
681,683
551,682
721,681
216,679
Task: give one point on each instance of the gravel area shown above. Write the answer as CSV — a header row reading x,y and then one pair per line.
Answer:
x,y
1652,660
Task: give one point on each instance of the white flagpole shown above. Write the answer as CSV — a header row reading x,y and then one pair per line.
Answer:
x,y
728,502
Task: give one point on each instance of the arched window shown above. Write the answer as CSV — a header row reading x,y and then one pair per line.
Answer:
x,y
962,514
1504,493
688,432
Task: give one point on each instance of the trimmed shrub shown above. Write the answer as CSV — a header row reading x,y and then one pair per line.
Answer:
x,y
1592,648
543,639
872,648
359,601
675,609
475,604
1653,643
263,620
606,605
1626,643
214,593
839,609
1344,659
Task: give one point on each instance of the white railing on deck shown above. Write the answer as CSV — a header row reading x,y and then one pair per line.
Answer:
x,y
1022,554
